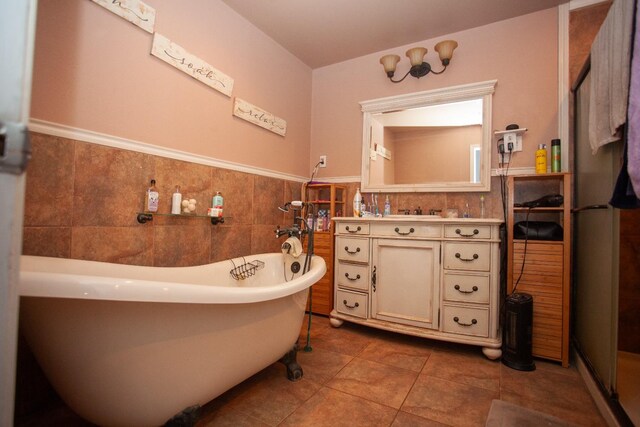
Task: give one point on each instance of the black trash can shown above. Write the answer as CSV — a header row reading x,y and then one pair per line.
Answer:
x,y
517,332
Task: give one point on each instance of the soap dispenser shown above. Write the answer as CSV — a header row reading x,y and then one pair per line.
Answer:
x,y
176,201
151,201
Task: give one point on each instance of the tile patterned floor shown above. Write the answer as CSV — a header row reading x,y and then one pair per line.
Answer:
x,y
357,376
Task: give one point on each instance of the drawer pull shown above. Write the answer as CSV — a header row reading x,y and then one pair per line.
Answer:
x,y
353,231
457,320
457,288
346,248
353,279
475,256
356,305
459,232
411,230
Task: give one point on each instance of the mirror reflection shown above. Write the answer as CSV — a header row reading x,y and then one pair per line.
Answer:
x,y
429,141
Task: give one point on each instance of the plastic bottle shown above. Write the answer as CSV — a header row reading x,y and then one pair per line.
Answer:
x,y
387,206
556,164
176,201
357,203
218,202
151,201
541,159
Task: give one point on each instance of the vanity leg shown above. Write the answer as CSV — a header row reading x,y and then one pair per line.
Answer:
x,y
336,323
492,353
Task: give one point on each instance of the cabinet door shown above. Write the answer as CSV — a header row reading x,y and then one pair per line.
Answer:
x,y
405,282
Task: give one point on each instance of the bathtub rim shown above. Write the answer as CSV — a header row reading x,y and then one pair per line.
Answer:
x,y
82,286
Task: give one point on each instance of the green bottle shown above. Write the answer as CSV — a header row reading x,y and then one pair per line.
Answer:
x,y
556,164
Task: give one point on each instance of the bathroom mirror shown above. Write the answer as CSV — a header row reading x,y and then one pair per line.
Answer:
x,y
438,140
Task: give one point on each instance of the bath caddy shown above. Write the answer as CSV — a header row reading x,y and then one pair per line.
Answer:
x,y
246,269
144,217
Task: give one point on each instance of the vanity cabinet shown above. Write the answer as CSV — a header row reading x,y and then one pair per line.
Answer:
x,y
432,277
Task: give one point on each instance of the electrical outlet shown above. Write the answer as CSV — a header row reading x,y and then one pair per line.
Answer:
x,y
323,161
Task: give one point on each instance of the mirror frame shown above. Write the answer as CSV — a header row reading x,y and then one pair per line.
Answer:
x,y
482,90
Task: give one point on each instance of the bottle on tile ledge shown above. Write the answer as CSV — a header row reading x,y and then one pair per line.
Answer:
x,y
218,202
151,201
387,206
176,201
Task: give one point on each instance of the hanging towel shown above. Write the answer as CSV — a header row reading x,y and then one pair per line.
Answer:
x,y
292,246
624,196
633,141
610,59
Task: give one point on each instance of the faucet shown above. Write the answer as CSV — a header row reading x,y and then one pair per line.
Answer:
x,y
404,211
289,231
418,211
434,211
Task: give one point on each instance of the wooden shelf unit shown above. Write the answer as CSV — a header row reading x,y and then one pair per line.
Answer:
x,y
547,264
332,198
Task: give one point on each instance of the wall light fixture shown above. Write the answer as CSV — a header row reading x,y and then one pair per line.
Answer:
x,y
419,68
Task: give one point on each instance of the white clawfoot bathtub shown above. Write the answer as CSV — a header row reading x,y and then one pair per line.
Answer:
x,y
131,345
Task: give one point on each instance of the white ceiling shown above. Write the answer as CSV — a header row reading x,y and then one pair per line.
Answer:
x,y
324,32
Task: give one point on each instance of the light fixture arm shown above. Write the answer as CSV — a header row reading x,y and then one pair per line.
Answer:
x,y
418,71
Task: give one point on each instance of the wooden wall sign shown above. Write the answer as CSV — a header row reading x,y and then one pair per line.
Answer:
x,y
134,11
176,56
257,116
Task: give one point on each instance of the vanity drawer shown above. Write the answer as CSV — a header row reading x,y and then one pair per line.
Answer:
x,y
353,228
465,320
351,303
354,276
467,256
352,249
466,231
466,287
406,229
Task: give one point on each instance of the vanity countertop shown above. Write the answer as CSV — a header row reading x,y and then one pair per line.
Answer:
x,y
420,218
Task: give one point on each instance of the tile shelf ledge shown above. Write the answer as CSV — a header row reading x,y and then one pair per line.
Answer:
x,y
144,217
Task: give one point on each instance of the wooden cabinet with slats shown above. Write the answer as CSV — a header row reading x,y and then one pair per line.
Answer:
x,y
330,199
547,264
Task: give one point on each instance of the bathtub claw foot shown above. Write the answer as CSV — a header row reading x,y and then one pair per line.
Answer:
x,y
186,418
294,370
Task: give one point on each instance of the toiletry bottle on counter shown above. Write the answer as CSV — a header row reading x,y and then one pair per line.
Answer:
x,y
357,203
541,159
176,201
387,206
556,164
151,201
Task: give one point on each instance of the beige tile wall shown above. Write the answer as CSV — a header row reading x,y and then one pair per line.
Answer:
x,y
82,200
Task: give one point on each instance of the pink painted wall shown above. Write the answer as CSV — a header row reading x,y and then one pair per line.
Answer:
x,y
521,53
93,70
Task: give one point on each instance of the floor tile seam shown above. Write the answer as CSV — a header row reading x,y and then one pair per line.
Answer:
x,y
361,397
462,384
240,411
545,403
409,392
391,366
